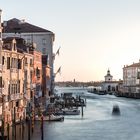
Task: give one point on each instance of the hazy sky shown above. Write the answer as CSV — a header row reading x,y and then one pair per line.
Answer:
x,y
94,35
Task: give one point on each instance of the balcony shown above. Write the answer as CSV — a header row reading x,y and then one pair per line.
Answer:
x,y
26,64
33,86
31,64
14,70
38,76
16,96
26,96
6,98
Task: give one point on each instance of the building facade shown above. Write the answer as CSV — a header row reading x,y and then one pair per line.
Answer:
x,y
15,80
109,85
131,78
43,38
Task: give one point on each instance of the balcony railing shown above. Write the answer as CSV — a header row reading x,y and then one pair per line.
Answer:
x,y
26,64
26,96
33,86
38,76
14,70
6,98
31,64
16,96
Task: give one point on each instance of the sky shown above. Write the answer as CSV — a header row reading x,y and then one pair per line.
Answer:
x,y
94,35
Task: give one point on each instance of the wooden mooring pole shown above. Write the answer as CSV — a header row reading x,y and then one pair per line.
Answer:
x,y
29,128
42,128
8,127
15,122
82,110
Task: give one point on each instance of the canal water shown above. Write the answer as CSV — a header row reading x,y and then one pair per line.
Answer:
x,y
97,122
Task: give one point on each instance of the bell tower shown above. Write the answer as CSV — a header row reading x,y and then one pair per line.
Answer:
x,y
108,76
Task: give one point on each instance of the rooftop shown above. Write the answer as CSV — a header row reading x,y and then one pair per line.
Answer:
x,y
133,65
20,44
19,26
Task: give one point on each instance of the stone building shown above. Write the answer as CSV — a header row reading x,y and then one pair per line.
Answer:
x,y
131,78
43,38
15,80
109,85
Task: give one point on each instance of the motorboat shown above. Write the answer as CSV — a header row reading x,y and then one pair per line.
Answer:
x,y
50,118
71,111
116,110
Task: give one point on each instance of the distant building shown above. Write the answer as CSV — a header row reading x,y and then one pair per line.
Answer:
x,y
43,38
109,85
131,78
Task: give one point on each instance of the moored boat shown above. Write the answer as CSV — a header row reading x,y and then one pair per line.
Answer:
x,y
50,118
116,110
71,111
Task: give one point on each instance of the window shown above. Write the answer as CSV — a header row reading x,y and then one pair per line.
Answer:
x,y
28,40
25,75
45,59
38,72
14,63
18,86
17,103
3,60
19,63
14,47
44,50
31,62
26,61
44,41
31,76
8,62
9,89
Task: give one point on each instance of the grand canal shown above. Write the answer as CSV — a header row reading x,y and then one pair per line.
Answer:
x,y
97,122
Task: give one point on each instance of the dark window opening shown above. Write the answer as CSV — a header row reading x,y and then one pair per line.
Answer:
x,y
0,82
8,62
3,60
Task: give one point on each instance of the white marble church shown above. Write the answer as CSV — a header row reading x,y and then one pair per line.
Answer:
x,y
109,85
